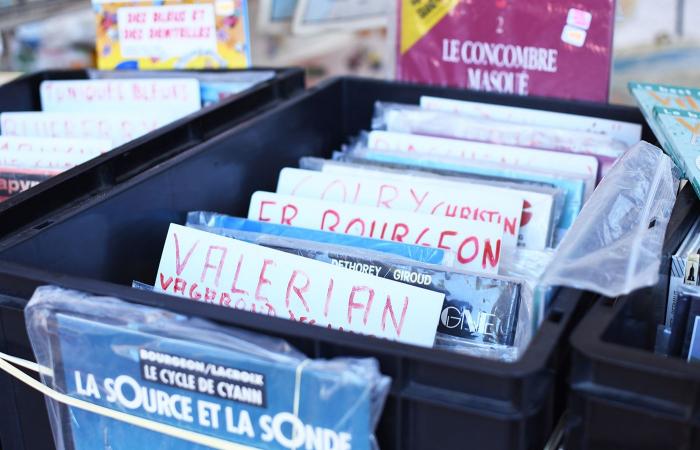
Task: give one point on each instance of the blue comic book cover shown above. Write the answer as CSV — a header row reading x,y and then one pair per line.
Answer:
x,y
682,132
574,189
155,366
418,253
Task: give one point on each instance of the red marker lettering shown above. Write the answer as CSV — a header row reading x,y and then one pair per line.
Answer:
x,y
388,309
262,281
461,256
353,222
219,266
444,234
490,256
288,220
400,232
180,286
327,213
163,283
234,289
329,296
180,266
298,290
419,202
386,202
352,304
263,203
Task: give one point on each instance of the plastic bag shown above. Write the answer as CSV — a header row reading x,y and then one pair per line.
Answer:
x,y
207,381
615,245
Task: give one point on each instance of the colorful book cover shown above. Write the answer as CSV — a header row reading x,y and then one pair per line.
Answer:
x,y
172,34
251,392
14,180
558,49
650,95
682,132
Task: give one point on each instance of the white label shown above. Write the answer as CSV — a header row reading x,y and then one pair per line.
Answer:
x,y
573,35
478,151
48,153
537,206
117,128
477,245
166,31
627,132
579,18
481,205
171,98
213,269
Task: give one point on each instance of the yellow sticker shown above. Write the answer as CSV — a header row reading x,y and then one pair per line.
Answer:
x,y
418,17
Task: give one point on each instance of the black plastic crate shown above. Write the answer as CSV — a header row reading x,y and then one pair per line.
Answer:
x,y
623,396
131,158
438,399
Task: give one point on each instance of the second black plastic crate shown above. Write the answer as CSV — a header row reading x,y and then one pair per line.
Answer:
x,y
623,396
438,399
121,163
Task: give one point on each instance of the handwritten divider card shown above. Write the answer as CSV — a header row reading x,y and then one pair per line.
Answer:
x,y
210,268
49,153
477,245
538,207
118,128
481,205
173,98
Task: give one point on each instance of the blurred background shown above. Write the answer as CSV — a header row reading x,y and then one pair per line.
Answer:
x,y
655,41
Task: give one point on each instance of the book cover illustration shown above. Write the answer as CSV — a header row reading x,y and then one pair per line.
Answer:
x,y
682,131
172,34
240,387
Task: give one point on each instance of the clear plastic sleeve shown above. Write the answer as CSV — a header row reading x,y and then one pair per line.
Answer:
x,y
481,314
415,120
215,383
615,244
415,252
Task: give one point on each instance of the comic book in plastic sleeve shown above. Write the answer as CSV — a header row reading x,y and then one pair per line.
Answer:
x,y
479,310
682,131
555,49
230,385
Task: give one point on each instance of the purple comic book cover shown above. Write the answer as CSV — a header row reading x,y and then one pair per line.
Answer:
x,y
557,48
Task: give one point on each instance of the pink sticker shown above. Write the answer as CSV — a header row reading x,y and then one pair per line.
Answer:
x,y
579,18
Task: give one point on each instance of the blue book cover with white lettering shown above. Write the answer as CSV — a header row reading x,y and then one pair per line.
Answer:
x,y
155,366
418,253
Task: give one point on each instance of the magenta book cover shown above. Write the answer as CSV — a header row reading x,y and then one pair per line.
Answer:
x,y
543,48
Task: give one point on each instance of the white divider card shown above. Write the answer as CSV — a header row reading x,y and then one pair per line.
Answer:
x,y
118,128
538,207
214,269
477,245
478,203
626,132
480,151
172,98
49,153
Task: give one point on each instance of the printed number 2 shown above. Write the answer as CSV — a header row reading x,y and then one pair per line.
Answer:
x,y
499,27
